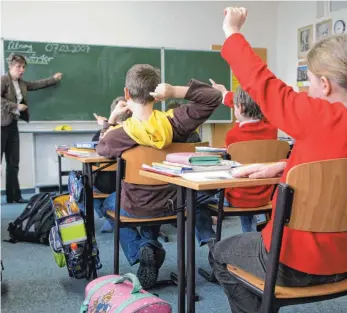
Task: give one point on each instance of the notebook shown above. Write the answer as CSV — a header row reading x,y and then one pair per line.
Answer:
x,y
190,158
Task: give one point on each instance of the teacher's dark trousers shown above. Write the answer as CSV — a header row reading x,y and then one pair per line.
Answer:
x,y
10,146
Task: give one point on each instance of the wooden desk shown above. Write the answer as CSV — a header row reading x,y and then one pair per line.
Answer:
x,y
87,172
192,188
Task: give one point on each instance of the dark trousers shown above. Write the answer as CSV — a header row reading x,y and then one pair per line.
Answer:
x,y
10,146
247,252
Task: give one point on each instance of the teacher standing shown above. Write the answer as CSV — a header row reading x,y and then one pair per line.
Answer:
x,y
14,106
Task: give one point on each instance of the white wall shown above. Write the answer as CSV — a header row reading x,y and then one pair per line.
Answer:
x,y
182,25
291,16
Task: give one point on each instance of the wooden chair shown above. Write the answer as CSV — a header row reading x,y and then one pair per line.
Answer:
x,y
103,168
247,152
313,199
128,167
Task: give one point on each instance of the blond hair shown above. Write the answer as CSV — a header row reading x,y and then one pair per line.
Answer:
x,y
328,58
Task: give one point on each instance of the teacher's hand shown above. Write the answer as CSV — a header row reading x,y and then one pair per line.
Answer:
x,y
58,76
233,20
22,107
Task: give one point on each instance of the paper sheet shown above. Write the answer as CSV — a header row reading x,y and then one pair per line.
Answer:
x,y
207,176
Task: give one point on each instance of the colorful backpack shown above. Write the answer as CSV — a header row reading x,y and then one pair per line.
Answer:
x,y
115,294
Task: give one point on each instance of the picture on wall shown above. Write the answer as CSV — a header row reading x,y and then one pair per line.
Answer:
x,y
323,29
301,76
305,40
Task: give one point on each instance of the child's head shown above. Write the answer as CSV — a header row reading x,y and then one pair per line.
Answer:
x,y
141,79
245,107
327,68
124,116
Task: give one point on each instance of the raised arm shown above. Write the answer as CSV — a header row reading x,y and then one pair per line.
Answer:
x,y
203,100
294,113
43,83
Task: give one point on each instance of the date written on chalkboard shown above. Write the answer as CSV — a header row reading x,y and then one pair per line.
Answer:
x,y
55,47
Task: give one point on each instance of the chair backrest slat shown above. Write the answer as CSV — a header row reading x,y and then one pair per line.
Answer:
x,y
320,196
135,157
258,151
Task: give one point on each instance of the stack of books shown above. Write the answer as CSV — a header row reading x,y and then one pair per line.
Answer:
x,y
178,164
62,148
83,149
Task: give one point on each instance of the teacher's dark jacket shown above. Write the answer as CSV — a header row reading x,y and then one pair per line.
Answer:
x,y
9,99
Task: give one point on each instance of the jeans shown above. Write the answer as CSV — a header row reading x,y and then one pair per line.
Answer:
x,y
247,252
132,239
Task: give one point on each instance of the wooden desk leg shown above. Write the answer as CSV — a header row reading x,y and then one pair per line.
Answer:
x,y
60,175
181,259
191,203
89,209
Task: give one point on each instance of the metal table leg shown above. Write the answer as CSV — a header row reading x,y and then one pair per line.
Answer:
x,y
60,175
89,209
181,252
191,203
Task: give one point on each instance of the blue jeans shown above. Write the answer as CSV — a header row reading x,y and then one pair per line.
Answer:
x,y
132,239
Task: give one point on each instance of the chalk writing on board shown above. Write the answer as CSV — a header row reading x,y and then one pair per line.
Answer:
x,y
15,46
33,59
55,47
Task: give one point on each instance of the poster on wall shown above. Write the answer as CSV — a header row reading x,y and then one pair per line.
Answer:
x,y
305,40
301,76
323,29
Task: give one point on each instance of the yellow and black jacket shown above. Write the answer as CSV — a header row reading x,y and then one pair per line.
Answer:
x,y
159,131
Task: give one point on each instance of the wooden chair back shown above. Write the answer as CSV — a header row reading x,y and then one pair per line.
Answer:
x,y
320,196
135,157
258,151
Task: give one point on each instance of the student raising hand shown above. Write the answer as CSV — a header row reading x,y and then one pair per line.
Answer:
x,y
233,20
100,119
219,87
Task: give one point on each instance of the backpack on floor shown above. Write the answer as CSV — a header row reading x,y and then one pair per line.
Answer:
x,y
35,222
121,294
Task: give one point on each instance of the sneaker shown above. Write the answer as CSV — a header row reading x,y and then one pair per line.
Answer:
x,y
151,259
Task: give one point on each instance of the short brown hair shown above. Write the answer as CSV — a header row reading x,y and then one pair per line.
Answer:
x,y
124,116
142,79
250,108
16,58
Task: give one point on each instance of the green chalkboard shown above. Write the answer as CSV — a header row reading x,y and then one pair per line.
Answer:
x,y
182,65
92,76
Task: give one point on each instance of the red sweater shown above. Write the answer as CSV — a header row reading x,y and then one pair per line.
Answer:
x,y
320,129
251,196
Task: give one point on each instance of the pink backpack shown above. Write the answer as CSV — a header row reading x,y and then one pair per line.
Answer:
x,y
113,294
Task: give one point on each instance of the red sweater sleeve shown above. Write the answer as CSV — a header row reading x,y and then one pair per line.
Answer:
x,y
294,113
229,99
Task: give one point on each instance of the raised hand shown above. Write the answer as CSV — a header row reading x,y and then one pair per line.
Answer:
x,y
233,20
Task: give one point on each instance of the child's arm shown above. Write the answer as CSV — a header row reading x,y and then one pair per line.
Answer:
x,y
228,96
203,100
294,113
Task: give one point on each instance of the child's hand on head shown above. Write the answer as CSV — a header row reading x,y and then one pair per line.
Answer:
x,y
163,92
233,20
100,119
121,108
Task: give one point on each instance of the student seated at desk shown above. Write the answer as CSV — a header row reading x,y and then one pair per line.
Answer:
x,y
194,136
318,122
250,125
105,181
156,129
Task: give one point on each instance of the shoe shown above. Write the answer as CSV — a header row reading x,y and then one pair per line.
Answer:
x,y
151,259
21,200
